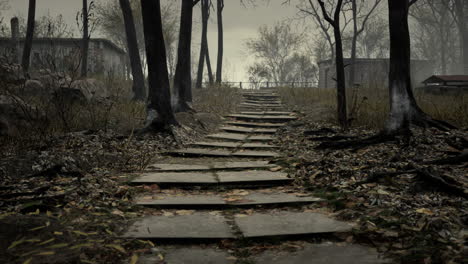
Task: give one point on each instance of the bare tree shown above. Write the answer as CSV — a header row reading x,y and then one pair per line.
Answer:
x,y
362,17
219,65
434,19
403,107
85,40
183,73
160,115
339,62
29,36
139,90
205,13
273,48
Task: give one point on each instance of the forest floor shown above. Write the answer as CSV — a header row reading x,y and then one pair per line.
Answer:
x,y
410,207
66,200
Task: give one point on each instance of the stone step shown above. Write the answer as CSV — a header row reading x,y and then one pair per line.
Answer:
x,y
198,226
252,177
233,145
284,223
189,255
255,124
239,129
247,198
264,104
214,226
269,118
210,166
240,137
222,153
325,253
274,113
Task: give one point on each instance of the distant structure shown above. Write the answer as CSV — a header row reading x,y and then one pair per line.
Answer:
x,y
446,84
371,72
63,54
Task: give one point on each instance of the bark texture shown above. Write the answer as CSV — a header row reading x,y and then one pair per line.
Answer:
x,y
183,72
85,40
160,114
219,64
205,8
340,71
139,90
29,36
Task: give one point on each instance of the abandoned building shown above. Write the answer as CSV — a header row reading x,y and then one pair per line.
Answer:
x,y
446,84
64,54
371,73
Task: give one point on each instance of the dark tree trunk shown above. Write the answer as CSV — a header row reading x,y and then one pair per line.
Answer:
x,y
219,65
160,113
139,91
183,72
339,63
85,40
340,80
352,68
204,44
29,36
403,107
208,64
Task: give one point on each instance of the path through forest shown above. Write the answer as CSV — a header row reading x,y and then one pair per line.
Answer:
x,y
224,194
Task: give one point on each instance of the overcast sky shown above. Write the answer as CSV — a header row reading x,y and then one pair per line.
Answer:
x,y
240,24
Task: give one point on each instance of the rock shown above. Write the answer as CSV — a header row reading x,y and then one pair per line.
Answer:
x,y
11,73
35,88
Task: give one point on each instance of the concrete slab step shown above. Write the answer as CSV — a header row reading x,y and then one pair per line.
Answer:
x,y
255,124
222,153
252,177
269,118
248,198
198,226
240,137
190,255
273,113
325,253
239,129
233,145
284,223
210,166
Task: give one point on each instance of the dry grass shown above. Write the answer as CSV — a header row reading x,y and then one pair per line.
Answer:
x,y
220,100
369,107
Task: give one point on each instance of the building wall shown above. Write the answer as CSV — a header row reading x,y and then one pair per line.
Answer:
x,y
372,73
65,56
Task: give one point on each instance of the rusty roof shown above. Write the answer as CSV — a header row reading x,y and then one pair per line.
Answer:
x,y
447,78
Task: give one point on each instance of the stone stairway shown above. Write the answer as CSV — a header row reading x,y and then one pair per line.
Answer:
x,y
215,180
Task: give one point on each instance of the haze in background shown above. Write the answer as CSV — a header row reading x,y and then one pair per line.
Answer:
x,y
240,23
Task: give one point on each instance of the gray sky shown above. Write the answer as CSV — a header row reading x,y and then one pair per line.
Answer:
x,y
240,24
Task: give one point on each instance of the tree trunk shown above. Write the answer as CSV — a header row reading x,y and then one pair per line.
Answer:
x,y
340,79
85,41
204,45
139,91
29,36
208,64
352,68
160,113
219,65
183,72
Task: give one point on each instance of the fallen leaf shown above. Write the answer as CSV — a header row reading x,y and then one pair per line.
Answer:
x,y
134,259
424,211
185,212
117,247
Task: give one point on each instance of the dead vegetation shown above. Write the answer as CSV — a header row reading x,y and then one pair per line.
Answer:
x,y
368,107
407,196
